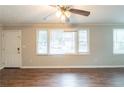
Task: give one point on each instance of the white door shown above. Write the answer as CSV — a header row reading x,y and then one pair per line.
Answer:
x,y
12,48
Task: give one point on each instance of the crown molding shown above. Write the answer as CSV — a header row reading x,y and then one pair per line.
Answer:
x,y
65,24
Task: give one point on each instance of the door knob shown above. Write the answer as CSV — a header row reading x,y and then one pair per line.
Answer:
x,y
18,49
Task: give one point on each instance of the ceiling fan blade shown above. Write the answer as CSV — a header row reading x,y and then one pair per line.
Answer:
x,y
80,12
53,5
46,17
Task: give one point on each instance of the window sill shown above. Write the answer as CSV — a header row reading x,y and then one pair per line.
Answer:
x,y
118,53
81,54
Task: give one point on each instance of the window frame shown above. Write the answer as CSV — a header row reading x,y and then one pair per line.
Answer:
x,y
77,53
114,51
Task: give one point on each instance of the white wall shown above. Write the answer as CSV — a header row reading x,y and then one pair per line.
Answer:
x,y
101,48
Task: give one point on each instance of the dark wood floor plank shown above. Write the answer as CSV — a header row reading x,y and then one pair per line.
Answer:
x,y
76,77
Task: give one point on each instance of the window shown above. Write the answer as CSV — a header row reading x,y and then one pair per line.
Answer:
x,y
42,42
118,40
62,42
83,41
56,42
69,42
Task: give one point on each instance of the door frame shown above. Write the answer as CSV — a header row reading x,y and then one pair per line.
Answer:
x,y
3,47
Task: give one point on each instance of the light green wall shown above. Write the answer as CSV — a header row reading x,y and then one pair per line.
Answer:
x,y
101,47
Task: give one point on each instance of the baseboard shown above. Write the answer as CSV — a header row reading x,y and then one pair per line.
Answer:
x,y
1,67
118,66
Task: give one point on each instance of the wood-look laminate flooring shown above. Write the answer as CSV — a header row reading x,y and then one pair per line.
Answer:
x,y
82,77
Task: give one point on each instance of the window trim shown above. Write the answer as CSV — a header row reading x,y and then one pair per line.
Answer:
x,y
77,53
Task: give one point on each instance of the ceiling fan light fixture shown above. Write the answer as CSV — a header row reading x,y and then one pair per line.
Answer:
x,y
67,14
58,13
64,12
63,17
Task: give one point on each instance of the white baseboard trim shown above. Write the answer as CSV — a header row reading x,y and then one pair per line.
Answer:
x,y
118,66
1,67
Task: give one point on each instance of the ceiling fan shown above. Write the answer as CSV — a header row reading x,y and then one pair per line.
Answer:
x,y
64,12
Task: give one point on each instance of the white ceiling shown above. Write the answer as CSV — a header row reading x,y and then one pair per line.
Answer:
x,y
35,14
